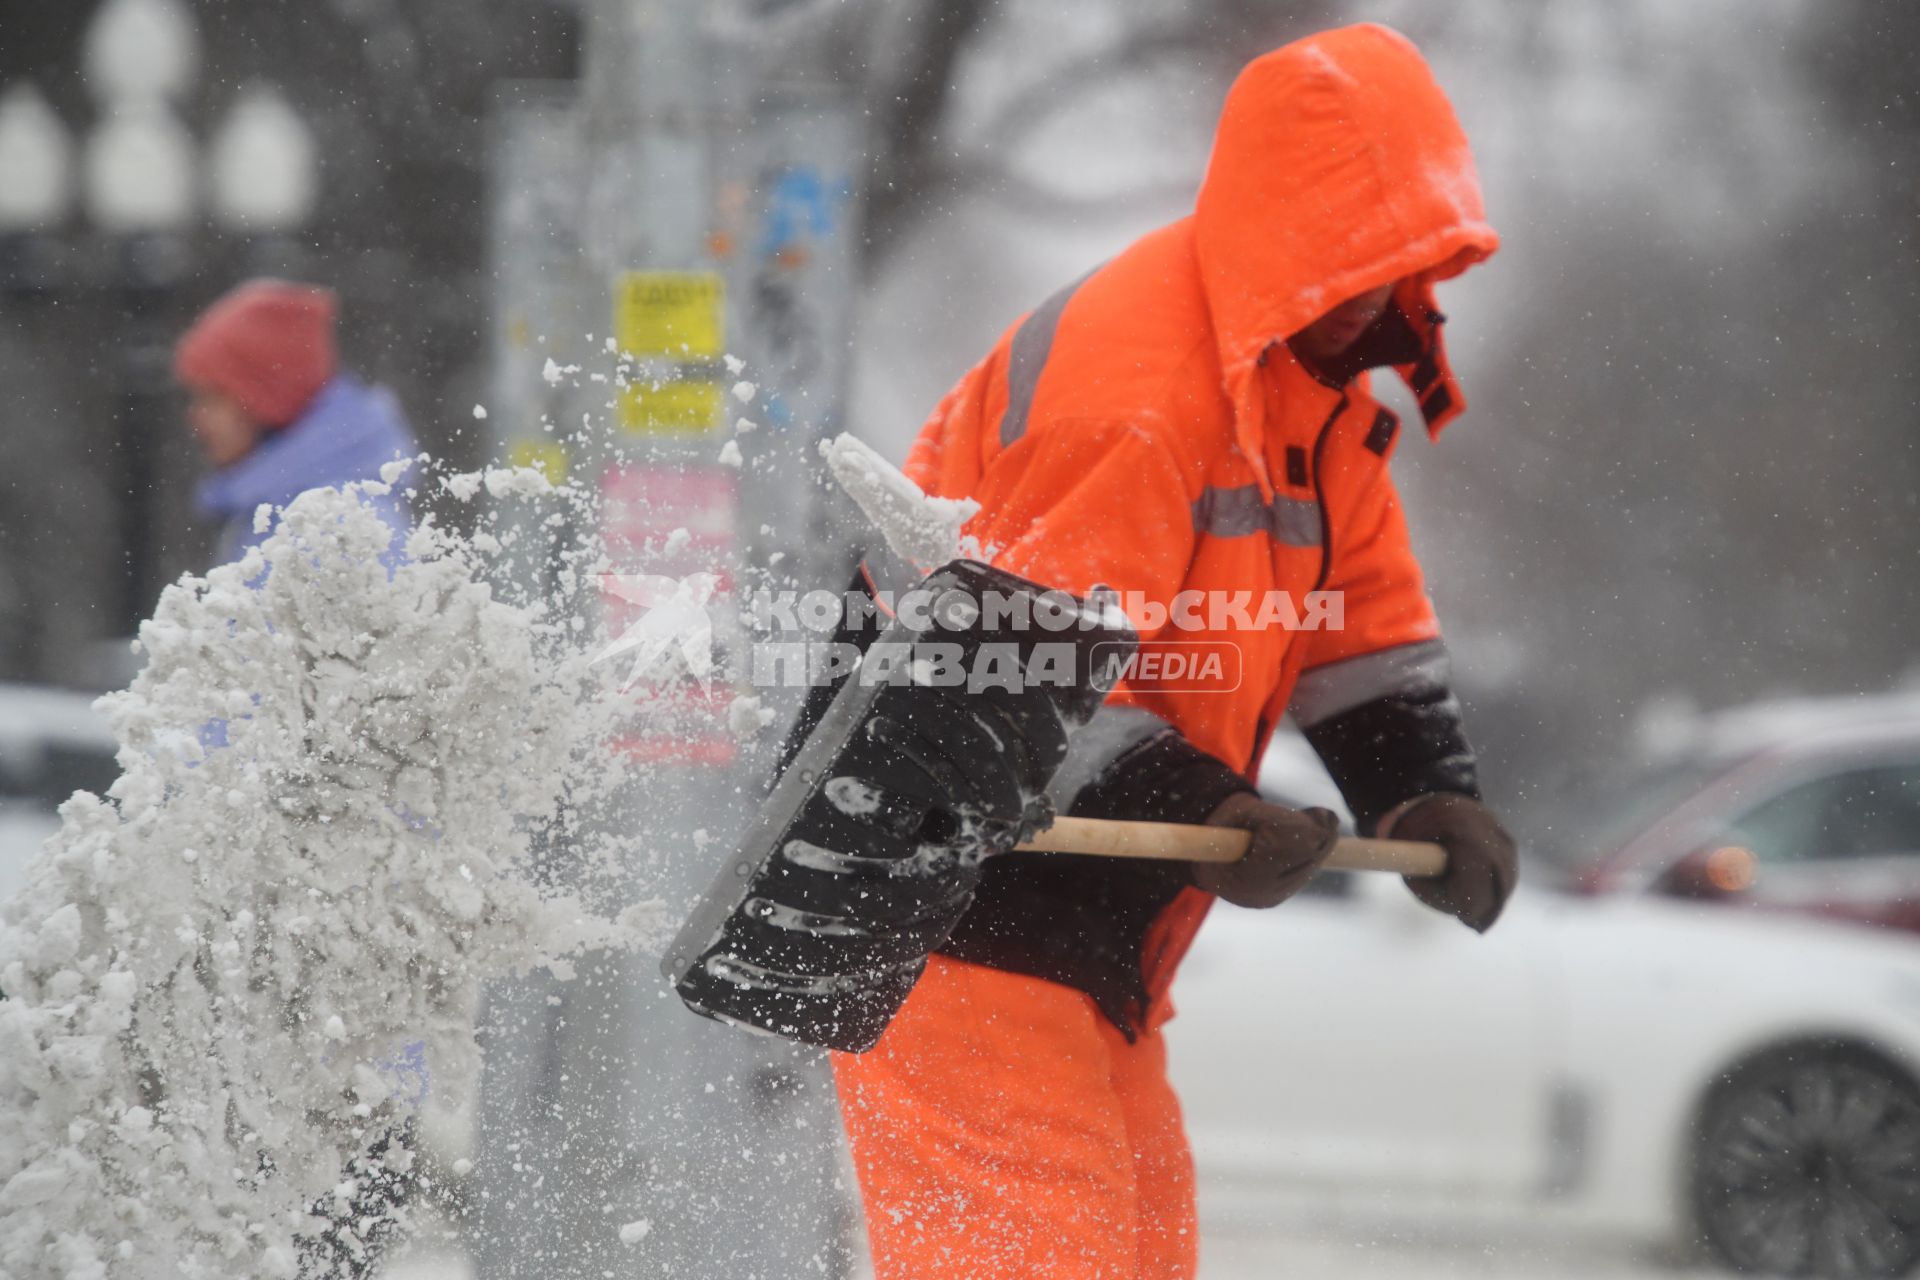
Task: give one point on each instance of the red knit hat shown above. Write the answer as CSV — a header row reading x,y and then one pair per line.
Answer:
x,y
267,343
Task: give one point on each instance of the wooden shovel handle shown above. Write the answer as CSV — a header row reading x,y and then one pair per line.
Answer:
x,y
1111,839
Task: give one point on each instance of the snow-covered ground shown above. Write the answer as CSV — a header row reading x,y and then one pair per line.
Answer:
x,y
1330,1255
1245,1253
1290,1242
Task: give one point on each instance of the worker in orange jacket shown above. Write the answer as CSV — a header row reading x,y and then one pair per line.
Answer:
x,y
1192,417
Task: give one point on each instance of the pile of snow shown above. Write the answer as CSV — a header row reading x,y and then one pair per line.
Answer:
x,y
922,530
225,980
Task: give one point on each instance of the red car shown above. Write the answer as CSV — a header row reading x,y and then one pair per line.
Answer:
x,y
1808,806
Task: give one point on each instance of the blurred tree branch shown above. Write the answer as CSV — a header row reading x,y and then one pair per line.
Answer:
x,y
917,56
909,100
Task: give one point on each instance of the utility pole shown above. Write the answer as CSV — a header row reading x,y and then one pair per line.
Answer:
x,y
688,211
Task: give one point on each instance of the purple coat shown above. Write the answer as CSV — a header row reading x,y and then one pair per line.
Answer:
x,y
348,433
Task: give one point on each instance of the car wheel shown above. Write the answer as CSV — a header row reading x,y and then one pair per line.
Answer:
x,y
1807,1163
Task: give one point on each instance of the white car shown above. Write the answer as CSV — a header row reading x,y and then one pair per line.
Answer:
x,y
52,743
1659,1070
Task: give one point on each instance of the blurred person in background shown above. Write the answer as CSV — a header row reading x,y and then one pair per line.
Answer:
x,y
1193,416
275,415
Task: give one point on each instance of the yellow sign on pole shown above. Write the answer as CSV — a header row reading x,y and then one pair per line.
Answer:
x,y
670,406
545,456
670,313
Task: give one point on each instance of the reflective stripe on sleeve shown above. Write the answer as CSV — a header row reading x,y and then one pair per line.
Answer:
x,y
1235,513
1113,731
1027,357
1325,692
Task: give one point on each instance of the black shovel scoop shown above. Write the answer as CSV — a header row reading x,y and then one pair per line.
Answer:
x,y
934,754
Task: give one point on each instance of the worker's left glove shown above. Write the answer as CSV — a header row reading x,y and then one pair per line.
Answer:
x,y
1482,863
1287,848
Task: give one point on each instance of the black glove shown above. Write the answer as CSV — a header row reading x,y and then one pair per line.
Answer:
x,y
1288,847
1482,863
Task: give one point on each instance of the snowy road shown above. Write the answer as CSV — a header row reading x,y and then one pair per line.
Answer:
x,y
1329,1256
1261,1255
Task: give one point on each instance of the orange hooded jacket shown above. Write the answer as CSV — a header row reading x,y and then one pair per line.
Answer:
x,y
1148,428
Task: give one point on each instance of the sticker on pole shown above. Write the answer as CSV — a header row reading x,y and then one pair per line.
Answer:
x,y
670,313
665,527
690,405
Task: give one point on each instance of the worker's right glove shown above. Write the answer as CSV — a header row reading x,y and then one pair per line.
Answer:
x,y
1288,847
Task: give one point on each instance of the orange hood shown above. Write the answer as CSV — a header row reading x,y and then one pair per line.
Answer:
x,y
1338,166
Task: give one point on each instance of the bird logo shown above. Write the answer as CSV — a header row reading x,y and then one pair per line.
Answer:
x,y
674,634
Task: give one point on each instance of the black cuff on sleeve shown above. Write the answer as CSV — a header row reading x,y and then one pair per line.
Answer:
x,y
1163,779
1392,749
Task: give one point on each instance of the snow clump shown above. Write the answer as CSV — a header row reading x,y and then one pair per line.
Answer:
x,y
922,530
225,979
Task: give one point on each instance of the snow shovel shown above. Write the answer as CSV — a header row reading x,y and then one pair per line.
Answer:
x,y
868,849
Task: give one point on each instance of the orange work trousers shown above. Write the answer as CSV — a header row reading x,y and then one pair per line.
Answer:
x,y
1003,1128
